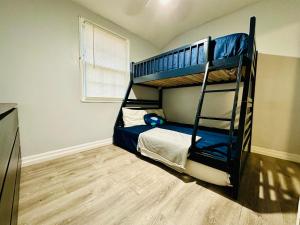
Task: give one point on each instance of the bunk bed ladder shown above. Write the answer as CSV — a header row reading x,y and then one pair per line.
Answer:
x,y
234,108
200,104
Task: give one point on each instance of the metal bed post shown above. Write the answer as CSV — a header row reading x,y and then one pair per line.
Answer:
x,y
160,95
238,165
252,96
235,103
235,168
124,102
251,42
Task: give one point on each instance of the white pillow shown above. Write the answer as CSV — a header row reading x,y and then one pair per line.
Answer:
x,y
134,117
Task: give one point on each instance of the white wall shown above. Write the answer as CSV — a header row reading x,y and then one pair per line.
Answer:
x,y
180,105
277,33
277,29
39,50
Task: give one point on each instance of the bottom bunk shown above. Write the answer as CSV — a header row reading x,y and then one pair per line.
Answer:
x,y
127,138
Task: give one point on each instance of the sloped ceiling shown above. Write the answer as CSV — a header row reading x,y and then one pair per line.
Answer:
x,y
159,21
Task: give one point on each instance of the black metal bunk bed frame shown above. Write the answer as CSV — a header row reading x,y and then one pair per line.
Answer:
x,y
148,70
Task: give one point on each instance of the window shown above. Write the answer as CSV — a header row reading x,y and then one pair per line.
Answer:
x,y
104,63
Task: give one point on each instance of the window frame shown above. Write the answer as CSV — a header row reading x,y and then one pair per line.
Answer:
x,y
84,97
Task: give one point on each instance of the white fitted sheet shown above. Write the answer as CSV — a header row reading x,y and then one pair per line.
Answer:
x,y
207,173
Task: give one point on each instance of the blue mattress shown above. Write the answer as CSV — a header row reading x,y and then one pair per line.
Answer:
x,y
127,138
222,47
230,45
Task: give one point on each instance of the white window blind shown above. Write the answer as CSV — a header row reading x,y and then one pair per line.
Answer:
x,y
105,63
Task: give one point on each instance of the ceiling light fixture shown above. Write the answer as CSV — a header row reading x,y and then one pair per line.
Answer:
x,y
164,2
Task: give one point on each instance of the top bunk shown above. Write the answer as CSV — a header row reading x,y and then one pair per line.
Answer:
x,y
185,66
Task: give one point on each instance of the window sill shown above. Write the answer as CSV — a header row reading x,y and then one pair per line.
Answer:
x,y
101,100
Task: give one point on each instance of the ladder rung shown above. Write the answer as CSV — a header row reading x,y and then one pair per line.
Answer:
x,y
220,90
214,118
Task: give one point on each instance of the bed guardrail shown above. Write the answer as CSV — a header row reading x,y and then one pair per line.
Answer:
x,y
179,59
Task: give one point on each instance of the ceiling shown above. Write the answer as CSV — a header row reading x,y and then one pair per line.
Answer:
x,y
159,21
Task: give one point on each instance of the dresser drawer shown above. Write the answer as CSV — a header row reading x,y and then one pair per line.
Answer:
x,y
8,191
8,130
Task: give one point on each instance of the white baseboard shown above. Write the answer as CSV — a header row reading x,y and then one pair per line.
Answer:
x,y
276,154
38,158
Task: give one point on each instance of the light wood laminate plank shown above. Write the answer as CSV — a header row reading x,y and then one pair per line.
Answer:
x,y
109,185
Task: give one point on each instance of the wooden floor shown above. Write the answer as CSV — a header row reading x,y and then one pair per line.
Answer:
x,y
111,186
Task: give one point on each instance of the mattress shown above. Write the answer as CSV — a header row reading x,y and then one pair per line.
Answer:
x,y
127,137
221,48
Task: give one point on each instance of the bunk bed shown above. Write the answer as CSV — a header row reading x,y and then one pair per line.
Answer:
x,y
228,59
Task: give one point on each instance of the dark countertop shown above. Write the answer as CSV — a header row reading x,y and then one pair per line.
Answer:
x,y
4,107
